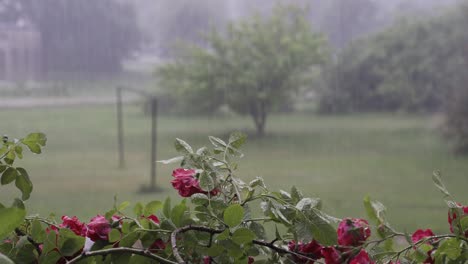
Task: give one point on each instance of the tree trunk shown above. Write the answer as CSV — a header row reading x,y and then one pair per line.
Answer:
x,y
259,114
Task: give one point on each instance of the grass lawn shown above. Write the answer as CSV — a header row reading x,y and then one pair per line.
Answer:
x,y
337,158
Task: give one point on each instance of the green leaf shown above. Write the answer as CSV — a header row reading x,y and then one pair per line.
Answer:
x,y
464,223
320,227
19,151
10,218
375,210
217,142
10,157
114,235
183,147
258,229
172,160
243,236
420,254
5,260
138,209
37,232
2,167
34,141
233,215
306,204
451,247
120,258
167,207
177,214
72,245
123,205
437,179
303,231
50,257
23,183
129,239
258,181
214,250
237,139
152,207
9,176
206,182
199,199
224,235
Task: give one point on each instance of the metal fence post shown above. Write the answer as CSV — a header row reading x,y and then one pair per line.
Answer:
x,y
120,128
154,113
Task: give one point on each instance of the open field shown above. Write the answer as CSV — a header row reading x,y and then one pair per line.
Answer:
x,y
337,158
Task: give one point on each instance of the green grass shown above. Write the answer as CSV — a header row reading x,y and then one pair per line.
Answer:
x,y
337,158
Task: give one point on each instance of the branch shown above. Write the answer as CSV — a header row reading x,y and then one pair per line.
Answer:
x,y
421,241
184,229
30,239
104,252
282,250
212,231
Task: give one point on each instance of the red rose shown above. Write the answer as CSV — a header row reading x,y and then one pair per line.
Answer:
x,y
98,228
187,184
420,234
361,258
206,260
251,260
353,232
74,225
312,250
331,255
153,218
452,215
158,245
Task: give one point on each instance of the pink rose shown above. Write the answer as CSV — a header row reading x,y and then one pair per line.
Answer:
x,y
420,234
153,218
353,232
312,250
74,225
206,260
186,183
331,255
361,258
98,228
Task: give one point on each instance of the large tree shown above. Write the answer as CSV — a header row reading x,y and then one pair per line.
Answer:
x,y
86,36
254,66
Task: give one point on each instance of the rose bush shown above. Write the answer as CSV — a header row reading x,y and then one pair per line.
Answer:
x,y
217,222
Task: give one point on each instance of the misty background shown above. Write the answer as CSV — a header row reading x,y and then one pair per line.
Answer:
x,y
378,103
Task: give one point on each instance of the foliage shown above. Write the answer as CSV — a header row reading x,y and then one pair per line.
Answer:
x,y
414,65
182,20
456,122
87,37
254,67
217,223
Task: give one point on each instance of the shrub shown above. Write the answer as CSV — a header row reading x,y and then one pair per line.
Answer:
x,y
217,222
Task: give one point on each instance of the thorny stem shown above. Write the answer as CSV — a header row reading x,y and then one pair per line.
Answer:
x,y
184,229
30,239
270,245
397,254
104,252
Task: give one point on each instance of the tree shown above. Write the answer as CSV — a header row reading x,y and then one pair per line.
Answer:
x,y
90,37
253,67
414,66
346,20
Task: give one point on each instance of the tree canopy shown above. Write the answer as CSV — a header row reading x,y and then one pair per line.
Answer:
x,y
253,67
90,37
414,65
